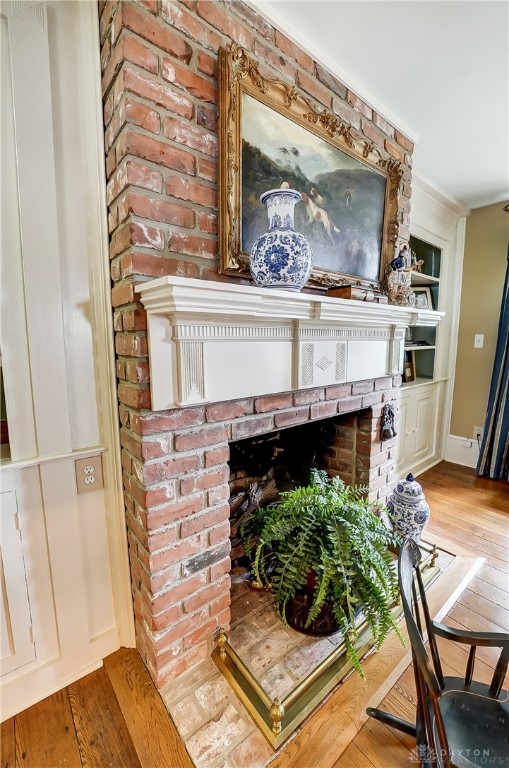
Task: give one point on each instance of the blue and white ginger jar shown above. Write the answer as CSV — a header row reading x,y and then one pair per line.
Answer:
x,y
408,509
282,257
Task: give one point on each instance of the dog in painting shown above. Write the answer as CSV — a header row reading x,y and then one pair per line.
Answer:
x,y
313,203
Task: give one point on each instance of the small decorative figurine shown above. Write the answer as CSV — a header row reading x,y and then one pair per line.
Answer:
x,y
416,263
408,509
399,279
401,259
388,430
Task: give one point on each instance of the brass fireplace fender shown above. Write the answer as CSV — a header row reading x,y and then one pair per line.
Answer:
x,y
278,719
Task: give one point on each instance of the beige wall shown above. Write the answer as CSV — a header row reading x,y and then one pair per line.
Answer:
x,y
487,234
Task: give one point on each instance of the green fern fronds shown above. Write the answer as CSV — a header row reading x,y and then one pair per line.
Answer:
x,y
330,529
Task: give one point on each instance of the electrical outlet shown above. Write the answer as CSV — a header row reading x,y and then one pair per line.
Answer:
x,y
89,474
478,433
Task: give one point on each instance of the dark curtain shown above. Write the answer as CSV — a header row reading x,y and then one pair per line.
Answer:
x,y
494,455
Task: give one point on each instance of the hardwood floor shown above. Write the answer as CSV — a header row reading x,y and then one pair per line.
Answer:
x,y
115,717
473,512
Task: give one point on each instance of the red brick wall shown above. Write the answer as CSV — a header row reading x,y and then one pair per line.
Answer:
x,y
176,477
159,63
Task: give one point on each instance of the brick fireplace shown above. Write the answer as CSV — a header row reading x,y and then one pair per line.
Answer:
x,y
290,360
159,66
179,526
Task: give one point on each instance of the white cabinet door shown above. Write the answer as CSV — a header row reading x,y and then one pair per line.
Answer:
x,y
16,642
417,432
424,425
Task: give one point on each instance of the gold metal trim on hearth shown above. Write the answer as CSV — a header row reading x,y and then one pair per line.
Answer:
x,y
279,718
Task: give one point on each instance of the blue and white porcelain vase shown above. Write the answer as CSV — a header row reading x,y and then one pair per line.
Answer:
x,y
282,257
408,509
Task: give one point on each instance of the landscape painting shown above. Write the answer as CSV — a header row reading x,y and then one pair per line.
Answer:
x,y
342,208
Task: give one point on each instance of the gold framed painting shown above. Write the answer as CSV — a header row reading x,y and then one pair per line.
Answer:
x,y
271,135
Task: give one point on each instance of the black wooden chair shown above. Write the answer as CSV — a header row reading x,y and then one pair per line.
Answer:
x,y
460,723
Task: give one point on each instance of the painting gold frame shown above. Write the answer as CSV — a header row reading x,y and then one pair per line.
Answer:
x,y
238,75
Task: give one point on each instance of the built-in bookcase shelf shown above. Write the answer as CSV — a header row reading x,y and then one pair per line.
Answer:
x,y
421,341
420,347
418,278
435,245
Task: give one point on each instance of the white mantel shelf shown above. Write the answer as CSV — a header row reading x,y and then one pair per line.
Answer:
x,y
213,341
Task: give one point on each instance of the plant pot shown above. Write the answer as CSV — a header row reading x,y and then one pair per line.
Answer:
x,y
298,607
297,610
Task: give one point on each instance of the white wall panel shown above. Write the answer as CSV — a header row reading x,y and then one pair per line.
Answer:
x,y
29,67
14,341
17,646
58,356
75,248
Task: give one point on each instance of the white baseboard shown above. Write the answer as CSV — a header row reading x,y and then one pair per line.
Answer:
x,y
34,683
41,683
461,450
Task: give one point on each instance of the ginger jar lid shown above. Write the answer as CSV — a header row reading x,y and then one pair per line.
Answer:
x,y
408,489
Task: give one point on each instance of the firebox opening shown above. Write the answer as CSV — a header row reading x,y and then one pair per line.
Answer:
x,y
262,467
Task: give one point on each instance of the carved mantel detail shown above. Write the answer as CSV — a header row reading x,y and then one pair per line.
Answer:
x,y
212,341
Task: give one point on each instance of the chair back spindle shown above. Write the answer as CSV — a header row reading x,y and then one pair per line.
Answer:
x,y
454,717
429,684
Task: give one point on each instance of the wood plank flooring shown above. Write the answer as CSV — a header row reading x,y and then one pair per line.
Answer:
x,y
473,512
114,717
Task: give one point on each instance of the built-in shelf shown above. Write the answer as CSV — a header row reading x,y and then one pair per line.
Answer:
x,y
414,347
420,380
429,257
419,363
418,278
436,250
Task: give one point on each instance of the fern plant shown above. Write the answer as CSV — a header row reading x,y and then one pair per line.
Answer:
x,y
330,529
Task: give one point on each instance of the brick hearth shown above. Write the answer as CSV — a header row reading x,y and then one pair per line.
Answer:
x,y
176,477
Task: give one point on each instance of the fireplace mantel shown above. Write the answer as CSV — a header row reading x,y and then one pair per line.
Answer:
x,y
214,341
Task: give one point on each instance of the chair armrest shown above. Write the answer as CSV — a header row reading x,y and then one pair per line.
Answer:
x,y
494,639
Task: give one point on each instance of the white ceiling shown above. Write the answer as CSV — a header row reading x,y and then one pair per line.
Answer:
x,y
439,70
